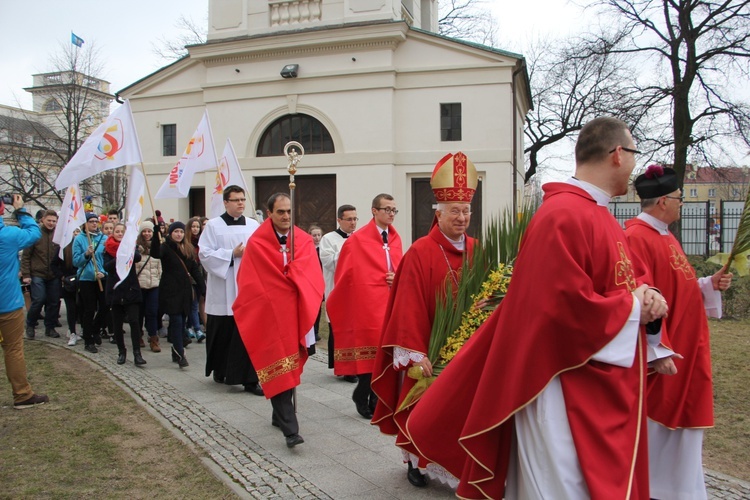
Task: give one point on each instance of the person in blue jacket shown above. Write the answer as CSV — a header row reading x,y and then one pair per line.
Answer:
x,y
12,240
88,257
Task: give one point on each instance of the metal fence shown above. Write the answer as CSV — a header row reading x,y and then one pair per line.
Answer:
x,y
705,230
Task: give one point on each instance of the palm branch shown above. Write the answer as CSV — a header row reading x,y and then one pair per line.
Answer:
x,y
737,258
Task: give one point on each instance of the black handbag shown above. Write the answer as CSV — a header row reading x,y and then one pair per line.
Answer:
x,y
70,283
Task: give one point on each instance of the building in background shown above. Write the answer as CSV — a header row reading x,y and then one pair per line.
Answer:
x,y
35,144
368,87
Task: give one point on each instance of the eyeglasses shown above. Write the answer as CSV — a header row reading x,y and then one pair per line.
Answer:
x,y
388,210
681,198
351,219
455,212
239,200
629,150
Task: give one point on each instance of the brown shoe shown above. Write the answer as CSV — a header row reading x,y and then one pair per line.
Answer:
x,y
153,342
35,400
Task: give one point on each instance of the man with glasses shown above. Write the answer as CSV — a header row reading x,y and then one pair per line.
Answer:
x,y
221,250
547,399
430,266
280,290
364,276
680,392
330,247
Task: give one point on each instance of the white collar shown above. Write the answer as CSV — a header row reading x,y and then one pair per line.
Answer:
x,y
661,226
459,244
600,196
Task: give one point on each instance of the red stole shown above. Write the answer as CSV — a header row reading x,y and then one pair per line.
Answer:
x,y
276,306
356,307
569,296
429,266
684,400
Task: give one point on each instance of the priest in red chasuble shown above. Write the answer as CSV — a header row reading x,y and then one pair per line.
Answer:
x,y
356,307
276,306
429,267
547,399
680,391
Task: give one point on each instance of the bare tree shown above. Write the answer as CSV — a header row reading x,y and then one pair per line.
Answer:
x,y
69,103
689,53
469,20
572,82
191,34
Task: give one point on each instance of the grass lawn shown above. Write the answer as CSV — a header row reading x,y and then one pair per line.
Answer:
x,y
92,441
727,446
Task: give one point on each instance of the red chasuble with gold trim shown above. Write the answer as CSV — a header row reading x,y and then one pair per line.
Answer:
x,y
684,400
276,306
356,307
429,266
569,296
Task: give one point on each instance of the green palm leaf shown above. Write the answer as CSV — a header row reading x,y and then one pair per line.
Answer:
x,y
737,258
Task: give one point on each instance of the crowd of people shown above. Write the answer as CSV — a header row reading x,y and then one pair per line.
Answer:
x,y
605,328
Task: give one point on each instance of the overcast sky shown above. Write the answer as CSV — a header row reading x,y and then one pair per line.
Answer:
x,y
124,33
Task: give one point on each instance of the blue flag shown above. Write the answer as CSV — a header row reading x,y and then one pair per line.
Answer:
x,y
75,39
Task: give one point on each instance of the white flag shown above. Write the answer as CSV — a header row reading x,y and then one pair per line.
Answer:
x,y
228,173
199,156
113,144
71,217
134,211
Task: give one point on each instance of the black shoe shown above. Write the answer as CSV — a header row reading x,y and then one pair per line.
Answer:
x,y
97,340
415,477
121,357
138,359
363,408
183,362
352,379
219,379
254,389
294,440
52,333
91,348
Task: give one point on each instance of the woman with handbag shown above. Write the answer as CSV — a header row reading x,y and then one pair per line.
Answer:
x,y
124,299
180,272
148,271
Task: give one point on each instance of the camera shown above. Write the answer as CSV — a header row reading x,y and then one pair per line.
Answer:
x,y
7,199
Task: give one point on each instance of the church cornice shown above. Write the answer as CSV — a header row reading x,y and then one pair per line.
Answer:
x,y
313,41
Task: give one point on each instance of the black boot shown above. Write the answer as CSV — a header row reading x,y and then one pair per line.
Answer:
x,y
121,357
137,358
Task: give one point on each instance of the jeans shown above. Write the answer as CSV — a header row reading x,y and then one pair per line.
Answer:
x,y
44,293
194,321
11,329
150,310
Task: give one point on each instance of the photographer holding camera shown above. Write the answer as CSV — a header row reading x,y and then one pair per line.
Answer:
x,y
13,240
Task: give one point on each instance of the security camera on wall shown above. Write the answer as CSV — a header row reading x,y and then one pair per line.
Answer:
x,y
289,71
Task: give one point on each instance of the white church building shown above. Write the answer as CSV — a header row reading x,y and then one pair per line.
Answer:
x,y
372,92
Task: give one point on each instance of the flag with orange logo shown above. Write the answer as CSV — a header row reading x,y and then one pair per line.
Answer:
x,y
199,156
113,144
227,174
133,211
71,216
